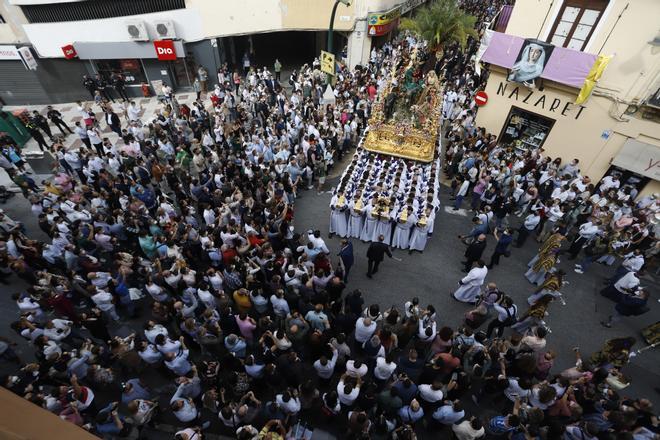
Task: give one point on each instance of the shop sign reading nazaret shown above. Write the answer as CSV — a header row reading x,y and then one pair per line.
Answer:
x,y
537,99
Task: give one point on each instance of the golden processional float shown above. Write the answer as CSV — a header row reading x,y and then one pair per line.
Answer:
x,y
405,119
405,124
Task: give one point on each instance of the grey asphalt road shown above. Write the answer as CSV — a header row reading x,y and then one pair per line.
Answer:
x,y
433,274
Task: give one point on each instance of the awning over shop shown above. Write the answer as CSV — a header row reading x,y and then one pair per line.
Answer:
x,y
565,66
121,50
639,157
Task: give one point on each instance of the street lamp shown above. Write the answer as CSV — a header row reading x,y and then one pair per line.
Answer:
x,y
332,20
328,95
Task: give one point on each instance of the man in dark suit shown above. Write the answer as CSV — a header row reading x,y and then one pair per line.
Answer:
x,y
376,254
474,251
113,122
346,257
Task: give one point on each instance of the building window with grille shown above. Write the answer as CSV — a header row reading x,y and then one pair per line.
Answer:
x,y
576,22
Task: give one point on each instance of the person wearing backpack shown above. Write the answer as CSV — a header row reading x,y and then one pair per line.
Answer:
x,y
507,313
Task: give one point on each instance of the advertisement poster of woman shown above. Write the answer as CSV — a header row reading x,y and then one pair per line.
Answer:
x,y
531,61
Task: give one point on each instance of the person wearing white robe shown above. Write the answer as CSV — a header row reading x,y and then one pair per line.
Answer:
x,y
338,221
370,223
355,219
384,228
420,233
401,237
470,285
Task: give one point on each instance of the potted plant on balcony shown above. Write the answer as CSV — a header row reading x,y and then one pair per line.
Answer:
x,y
442,22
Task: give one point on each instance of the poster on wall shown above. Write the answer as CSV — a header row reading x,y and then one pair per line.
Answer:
x,y
531,61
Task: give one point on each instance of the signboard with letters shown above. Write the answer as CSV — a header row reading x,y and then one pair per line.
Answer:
x,y
380,23
327,62
165,50
9,53
639,157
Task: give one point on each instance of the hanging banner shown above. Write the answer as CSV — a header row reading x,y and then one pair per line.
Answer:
x,y
28,58
327,62
485,42
530,63
380,23
592,78
565,66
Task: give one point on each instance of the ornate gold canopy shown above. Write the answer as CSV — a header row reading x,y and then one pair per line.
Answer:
x,y
411,132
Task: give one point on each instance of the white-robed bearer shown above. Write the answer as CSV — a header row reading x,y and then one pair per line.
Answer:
x,y
370,223
421,231
355,216
470,285
338,220
407,219
383,227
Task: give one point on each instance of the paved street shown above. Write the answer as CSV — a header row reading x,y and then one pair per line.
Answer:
x,y
434,274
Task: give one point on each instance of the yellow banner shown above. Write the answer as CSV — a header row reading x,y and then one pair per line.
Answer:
x,y
327,62
592,78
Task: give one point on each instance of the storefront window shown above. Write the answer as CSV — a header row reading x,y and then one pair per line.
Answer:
x,y
131,69
182,72
525,129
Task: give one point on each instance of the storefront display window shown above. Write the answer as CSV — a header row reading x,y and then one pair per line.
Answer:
x,y
131,69
525,129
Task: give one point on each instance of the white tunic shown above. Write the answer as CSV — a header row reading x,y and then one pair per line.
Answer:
x,y
471,287
338,221
370,224
420,235
355,222
384,228
401,237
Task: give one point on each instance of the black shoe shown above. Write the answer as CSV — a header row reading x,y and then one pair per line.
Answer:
x,y
369,275
606,324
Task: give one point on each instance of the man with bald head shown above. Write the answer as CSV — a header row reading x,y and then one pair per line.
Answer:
x,y
474,252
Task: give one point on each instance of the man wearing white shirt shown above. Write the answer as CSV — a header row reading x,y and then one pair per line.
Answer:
x,y
607,183
95,138
530,223
104,302
289,402
426,330
58,329
178,362
356,368
347,392
586,232
460,194
628,283
553,215
431,393
449,413
326,367
133,112
385,366
633,262
166,345
364,329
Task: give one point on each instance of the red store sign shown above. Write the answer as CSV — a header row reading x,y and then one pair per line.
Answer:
x,y
165,50
69,51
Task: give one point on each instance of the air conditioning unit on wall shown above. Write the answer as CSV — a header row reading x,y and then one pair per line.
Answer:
x,y
137,31
164,29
